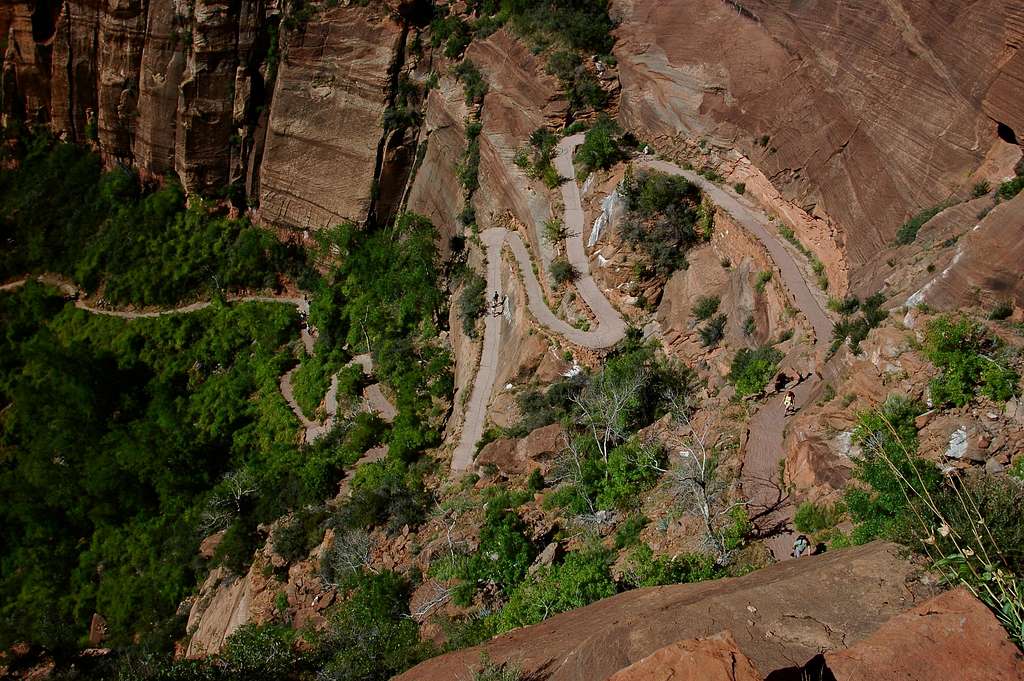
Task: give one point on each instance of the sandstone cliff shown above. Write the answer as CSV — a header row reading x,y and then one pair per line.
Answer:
x,y
288,109
859,113
780,616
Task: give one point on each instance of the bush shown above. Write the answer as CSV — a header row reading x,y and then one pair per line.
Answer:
x,y
980,189
740,188
472,302
887,438
762,281
705,306
554,231
666,216
601,148
712,332
385,493
811,517
907,232
752,369
584,577
562,271
629,531
856,329
971,361
645,569
504,555
293,539
1010,188
1000,311
473,82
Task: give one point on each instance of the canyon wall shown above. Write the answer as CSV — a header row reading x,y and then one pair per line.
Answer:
x,y
859,112
282,111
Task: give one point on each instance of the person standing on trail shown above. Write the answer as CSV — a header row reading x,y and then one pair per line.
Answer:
x,y
788,401
801,546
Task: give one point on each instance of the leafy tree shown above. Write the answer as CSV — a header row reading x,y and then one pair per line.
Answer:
x,y
752,369
582,578
971,361
601,149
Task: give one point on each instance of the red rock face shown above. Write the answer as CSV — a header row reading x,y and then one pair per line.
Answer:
x,y
952,636
859,112
326,119
781,614
717,658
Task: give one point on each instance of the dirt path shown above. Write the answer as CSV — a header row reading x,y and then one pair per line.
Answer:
x,y
761,483
374,398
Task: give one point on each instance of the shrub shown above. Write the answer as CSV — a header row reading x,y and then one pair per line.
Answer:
x,y
666,216
844,306
645,569
970,360
1010,188
562,271
293,539
1000,311
980,189
762,281
583,577
713,331
749,326
740,188
856,329
385,493
629,531
907,232
601,148
504,554
812,517
535,482
473,81
472,302
752,369
490,671
705,306
554,231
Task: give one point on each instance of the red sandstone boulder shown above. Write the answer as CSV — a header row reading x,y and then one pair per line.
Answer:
x,y
951,636
717,658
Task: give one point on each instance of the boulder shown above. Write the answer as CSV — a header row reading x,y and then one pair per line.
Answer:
x,y
814,469
716,658
501,453
542,442
951,636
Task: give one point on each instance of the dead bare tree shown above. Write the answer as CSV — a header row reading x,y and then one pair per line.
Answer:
x,y
604,406
226,501
350,553
698,482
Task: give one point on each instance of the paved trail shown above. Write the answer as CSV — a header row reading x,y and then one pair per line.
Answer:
x,y
610,325
374,399
763,453
764,445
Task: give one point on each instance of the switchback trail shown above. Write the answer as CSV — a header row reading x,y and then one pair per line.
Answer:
x,y
610,326
375,401
760,478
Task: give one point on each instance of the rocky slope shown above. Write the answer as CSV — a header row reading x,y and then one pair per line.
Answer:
x,y
780,616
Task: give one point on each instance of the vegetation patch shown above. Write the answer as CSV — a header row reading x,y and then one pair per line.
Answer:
x,y
752,369
907,232
972,361
666,217
854,327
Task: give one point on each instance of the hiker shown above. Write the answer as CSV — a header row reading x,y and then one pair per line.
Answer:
x,y
801,546
788,402
495,303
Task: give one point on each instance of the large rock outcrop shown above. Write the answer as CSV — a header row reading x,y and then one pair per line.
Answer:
x,y
860,113
326,118
781,616
952,636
